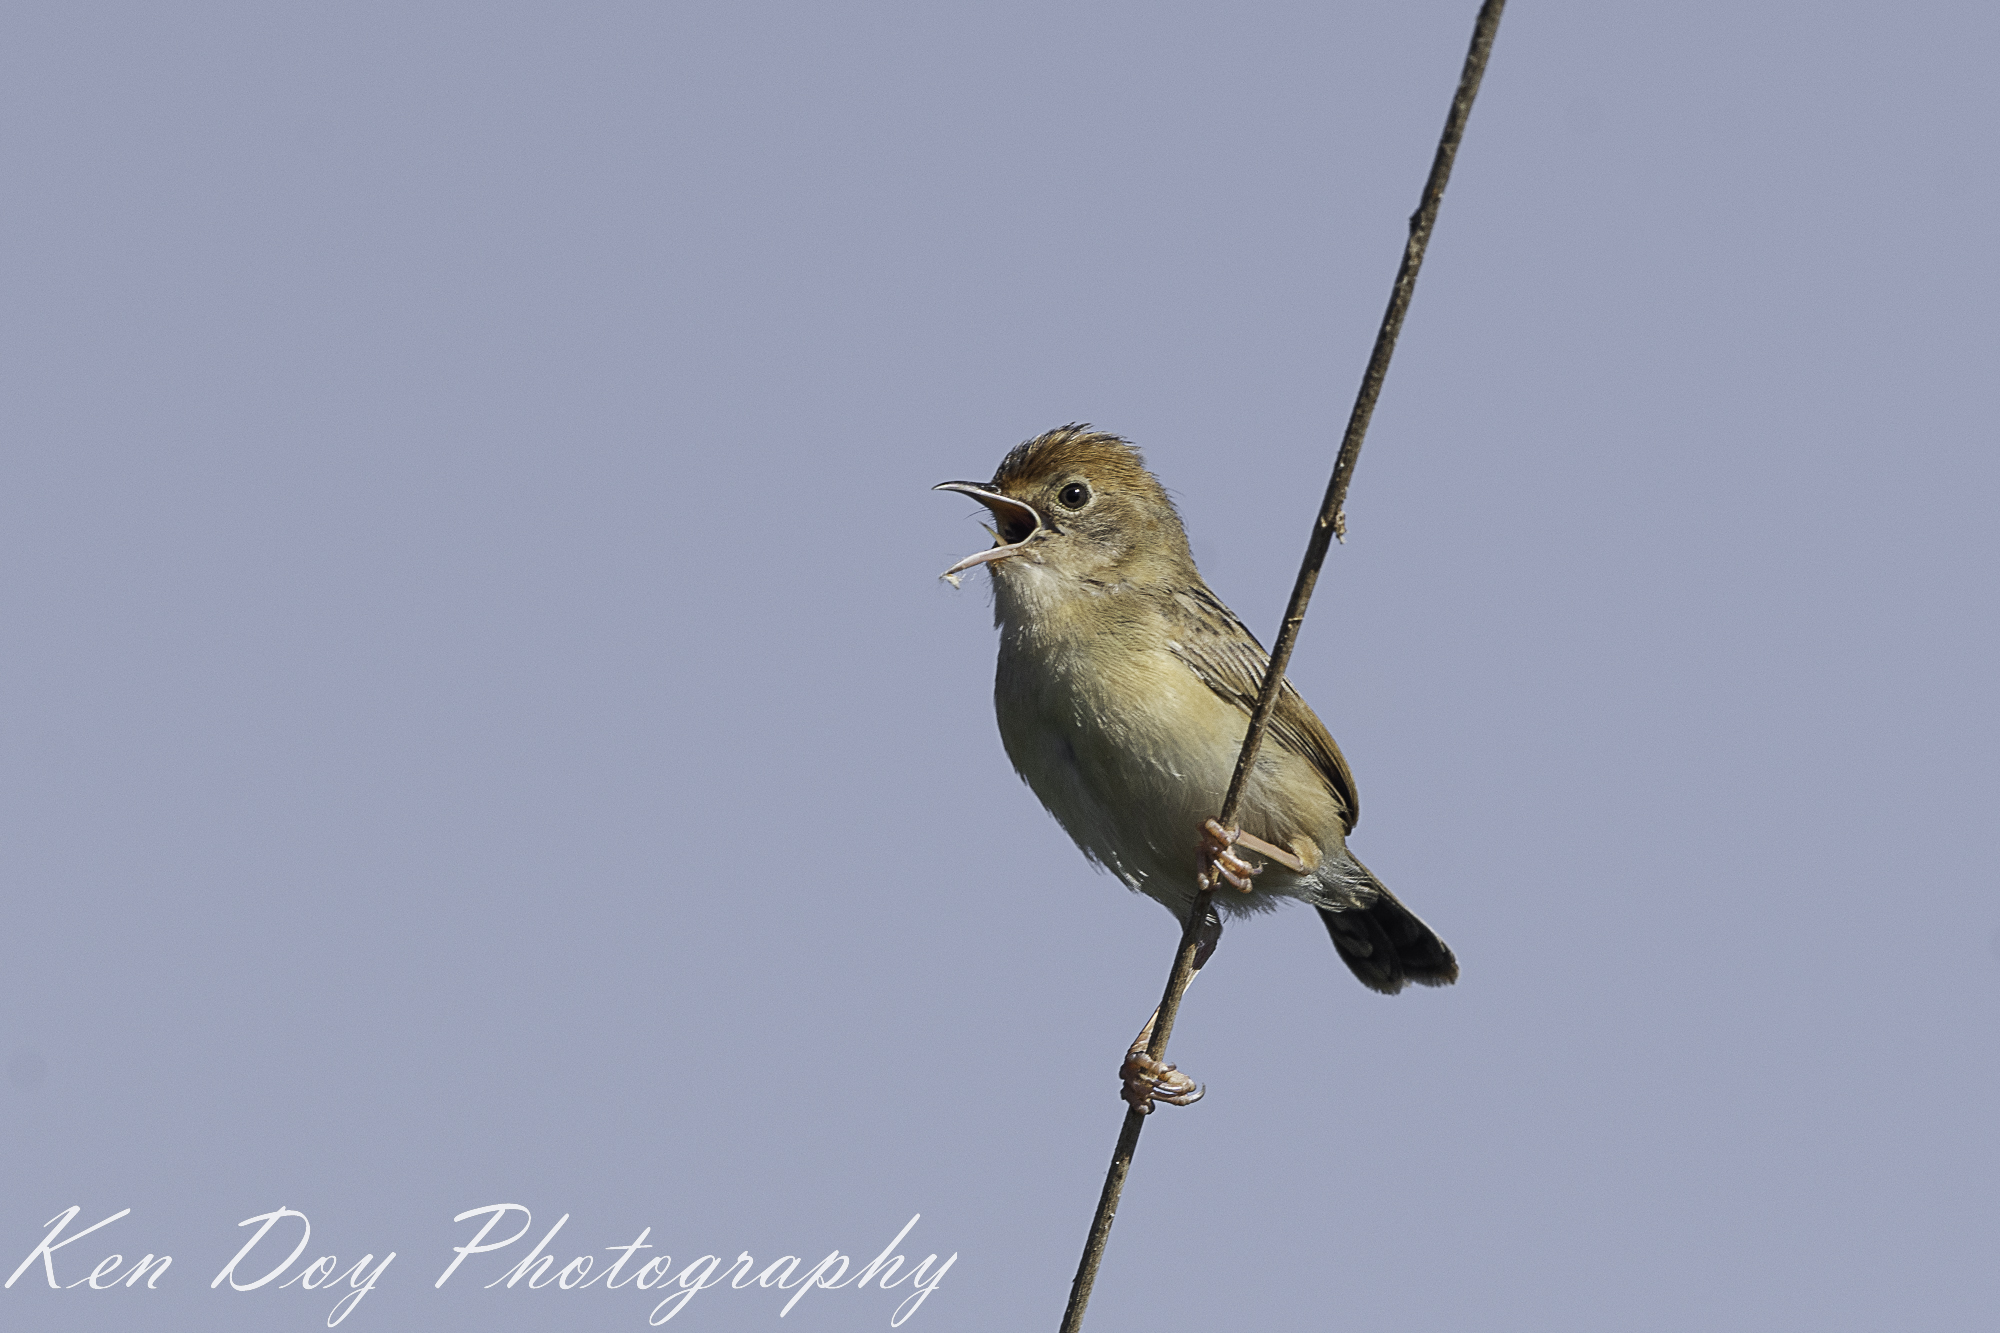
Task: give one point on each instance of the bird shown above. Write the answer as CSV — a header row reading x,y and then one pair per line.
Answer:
x,y
1123,690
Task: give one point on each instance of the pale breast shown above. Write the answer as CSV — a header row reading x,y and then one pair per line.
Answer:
x,y
1131,752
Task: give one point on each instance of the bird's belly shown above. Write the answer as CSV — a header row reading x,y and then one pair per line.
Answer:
x,y
1130,762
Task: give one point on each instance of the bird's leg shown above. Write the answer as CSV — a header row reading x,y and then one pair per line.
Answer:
x,y
1147,1080
1220,863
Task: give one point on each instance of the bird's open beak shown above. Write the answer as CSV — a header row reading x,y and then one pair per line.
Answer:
x,y
1018,520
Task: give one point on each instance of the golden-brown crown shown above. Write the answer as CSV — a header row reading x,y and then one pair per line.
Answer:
x,y
1112,462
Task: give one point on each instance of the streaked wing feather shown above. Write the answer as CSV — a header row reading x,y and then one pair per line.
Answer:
x,y
1227,658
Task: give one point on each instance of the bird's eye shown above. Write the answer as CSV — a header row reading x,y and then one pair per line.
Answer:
x,y
1074,496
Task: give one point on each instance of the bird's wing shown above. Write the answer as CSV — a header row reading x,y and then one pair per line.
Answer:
x,y
1228,659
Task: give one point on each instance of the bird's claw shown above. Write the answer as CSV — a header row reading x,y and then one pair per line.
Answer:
x,y
1221,863
1148,1080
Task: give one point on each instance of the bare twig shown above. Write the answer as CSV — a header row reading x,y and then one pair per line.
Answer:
x,y
1331,525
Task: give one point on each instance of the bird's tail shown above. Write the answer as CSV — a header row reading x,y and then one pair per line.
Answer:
x,y
1383,942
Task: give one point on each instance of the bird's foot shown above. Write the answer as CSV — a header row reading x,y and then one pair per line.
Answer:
x,y
1221,864
1148,1080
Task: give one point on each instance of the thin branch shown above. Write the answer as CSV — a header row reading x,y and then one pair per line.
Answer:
x,y
1331,525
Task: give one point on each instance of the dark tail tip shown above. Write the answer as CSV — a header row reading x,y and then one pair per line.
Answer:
x,y
1387,947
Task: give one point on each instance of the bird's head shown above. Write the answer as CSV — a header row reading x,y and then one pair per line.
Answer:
x,y
1078,508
